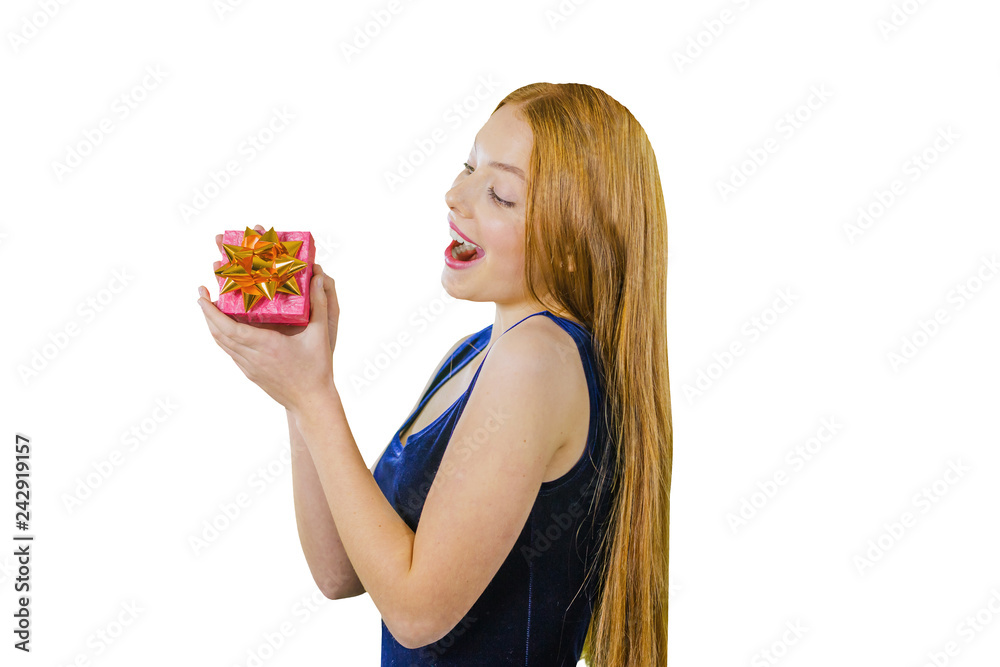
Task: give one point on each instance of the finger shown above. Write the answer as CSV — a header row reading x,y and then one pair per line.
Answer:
x,y
317,300
330,288
327,278
286,329
238,336
222,341
227,347
317,291
216,265
218,242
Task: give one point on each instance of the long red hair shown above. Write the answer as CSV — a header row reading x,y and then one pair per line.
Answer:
x,y
595,205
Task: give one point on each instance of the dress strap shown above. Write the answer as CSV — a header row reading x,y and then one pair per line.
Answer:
x,y
476,376
541,312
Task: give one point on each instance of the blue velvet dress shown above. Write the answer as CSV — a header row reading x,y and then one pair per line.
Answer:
x,y
536,610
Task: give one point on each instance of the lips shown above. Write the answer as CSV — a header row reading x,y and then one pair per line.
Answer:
x,y
460,233
463,261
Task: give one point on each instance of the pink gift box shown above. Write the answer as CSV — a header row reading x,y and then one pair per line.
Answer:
x,y
283,308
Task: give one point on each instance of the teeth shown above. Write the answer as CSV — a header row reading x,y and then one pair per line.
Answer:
x,y
461,241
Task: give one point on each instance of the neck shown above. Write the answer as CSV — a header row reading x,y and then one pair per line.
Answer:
x,y
507,315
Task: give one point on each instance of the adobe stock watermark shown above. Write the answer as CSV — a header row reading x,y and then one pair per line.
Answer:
x,y
32,24
559,524
752,330
435,651
899,16
366,33
249,148
453,117
894,530
787,126
710,32
928,328
230,511
122,106
223,8
749,507
86,311
912,169
418,321
465,447
779,648
968,629
327,247
471,443
131,440
271,641
673,590
106,635
559,13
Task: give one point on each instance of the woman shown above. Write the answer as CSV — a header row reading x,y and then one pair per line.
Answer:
x,y
520,515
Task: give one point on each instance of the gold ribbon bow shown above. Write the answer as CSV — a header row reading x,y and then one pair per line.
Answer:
x,y
261,266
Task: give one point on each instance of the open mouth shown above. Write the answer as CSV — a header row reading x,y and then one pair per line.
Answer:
x,y
463,251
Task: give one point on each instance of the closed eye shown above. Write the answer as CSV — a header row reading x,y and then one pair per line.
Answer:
x,y
500,202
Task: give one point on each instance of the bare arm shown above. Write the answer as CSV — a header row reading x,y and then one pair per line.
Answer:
x,y
410,575
328,562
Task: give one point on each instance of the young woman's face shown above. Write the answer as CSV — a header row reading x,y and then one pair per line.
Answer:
x,y
487,204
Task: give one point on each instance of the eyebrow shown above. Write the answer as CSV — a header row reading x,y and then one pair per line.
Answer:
x,y
503,166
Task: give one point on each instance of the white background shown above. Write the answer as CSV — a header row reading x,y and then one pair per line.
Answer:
x,y
855,299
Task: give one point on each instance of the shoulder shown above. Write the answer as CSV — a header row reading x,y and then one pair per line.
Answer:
x,y
540,340
447,355
459,343
539,359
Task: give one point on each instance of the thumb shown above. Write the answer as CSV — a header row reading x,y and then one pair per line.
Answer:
x,y
328,289
317,299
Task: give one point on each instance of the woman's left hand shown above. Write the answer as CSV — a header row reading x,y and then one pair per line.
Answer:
x,y
292,364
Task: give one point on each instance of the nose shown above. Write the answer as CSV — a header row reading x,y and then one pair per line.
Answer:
x,y
455,198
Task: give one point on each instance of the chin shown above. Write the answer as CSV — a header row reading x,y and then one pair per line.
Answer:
x,y
453,287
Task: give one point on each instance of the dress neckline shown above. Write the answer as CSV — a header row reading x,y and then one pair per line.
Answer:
x,y
434,389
